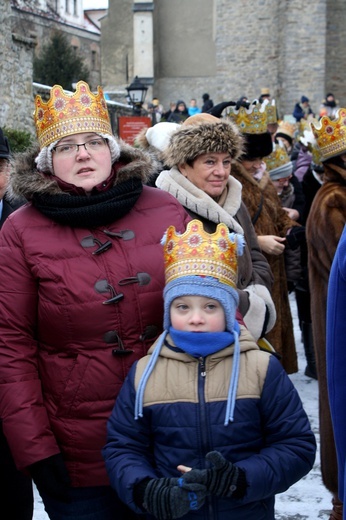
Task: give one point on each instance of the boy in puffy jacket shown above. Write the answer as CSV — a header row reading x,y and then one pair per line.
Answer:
x,y
206,425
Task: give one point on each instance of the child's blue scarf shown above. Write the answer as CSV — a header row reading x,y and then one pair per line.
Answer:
x,y
201,348
202,344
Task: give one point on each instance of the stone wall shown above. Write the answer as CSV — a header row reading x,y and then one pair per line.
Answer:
x,y
335,56
230,48
117,45
16,54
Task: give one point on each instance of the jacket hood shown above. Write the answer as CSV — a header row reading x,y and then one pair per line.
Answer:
x,y
25,179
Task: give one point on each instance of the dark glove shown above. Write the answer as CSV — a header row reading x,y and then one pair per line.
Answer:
x,y
295,237
51,477
223,480
169,498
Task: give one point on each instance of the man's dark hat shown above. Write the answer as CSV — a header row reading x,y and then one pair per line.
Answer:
x,y
257,145
4,146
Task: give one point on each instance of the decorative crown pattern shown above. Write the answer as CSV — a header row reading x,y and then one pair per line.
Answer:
x,y
196,252
331,135
278,157
272,117
252,120
287,128
65,114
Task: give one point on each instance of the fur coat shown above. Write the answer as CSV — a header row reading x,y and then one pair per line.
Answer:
x,y
272,220
324,227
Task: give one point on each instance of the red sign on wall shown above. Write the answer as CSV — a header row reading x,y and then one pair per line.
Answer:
x,y
129,127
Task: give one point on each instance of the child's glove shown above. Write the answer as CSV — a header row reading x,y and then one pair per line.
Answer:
x,y
169,498
223,480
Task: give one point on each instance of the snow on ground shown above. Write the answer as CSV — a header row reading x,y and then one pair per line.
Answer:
x,y
308,499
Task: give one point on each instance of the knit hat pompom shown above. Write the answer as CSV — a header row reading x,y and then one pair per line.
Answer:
x,y
44,160
191,141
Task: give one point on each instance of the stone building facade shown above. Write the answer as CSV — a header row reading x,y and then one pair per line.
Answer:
x,y
16,57
26,25
182,49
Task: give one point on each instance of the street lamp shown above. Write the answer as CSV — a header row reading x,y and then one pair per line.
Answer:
x,y
137,92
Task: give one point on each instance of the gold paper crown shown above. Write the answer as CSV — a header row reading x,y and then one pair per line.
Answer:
x,y
271,112
287,128
331,135
65,114
252,120
278,157
196,252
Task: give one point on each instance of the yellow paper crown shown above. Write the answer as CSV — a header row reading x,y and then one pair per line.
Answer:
x,y
197,252
271,112
278,157
65,114
331,135
287,128
252,120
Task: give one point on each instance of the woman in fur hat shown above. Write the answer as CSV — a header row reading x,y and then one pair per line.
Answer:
x,y
81,297
200,155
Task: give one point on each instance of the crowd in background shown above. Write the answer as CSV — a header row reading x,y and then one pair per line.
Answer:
x,y
84,220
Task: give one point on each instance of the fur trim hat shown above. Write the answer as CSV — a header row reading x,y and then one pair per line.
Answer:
x,y
257,145
192,140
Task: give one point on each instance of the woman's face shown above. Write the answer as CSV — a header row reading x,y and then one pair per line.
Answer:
x,y
85,168
282,183
252,166
209,172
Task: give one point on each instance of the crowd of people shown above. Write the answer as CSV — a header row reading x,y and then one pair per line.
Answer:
x,y
146,336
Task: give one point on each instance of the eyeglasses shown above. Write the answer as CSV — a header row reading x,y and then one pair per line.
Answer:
x,y
94,145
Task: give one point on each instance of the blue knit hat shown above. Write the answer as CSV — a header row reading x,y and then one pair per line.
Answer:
x,y
201,286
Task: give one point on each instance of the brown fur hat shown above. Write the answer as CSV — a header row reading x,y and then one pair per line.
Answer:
x,y
191,141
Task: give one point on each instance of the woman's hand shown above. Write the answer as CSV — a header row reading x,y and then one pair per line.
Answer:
x,y
271,244
292,213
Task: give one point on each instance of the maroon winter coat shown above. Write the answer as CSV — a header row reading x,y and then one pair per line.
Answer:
x,y
59,369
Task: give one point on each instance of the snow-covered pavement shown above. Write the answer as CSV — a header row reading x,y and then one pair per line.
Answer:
x,y
308,499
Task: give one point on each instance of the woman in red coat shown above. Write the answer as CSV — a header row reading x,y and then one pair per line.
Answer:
x,y
81,297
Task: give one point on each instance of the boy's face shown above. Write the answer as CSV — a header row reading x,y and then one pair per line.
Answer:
x,y
197,314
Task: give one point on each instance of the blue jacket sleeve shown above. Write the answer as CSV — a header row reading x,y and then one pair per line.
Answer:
x,y
127,451
289,444
336,355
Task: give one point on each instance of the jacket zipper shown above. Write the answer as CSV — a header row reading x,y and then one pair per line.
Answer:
x,y
203,422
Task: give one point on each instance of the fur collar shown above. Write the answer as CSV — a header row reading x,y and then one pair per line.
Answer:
x,y
25,179
199,202
240,171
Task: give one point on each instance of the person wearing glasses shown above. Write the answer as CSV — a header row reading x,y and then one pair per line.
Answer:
x,y
81,279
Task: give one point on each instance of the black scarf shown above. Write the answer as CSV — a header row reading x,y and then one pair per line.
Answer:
x,y
96,210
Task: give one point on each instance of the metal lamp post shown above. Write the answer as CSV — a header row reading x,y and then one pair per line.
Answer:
x,y
137,92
